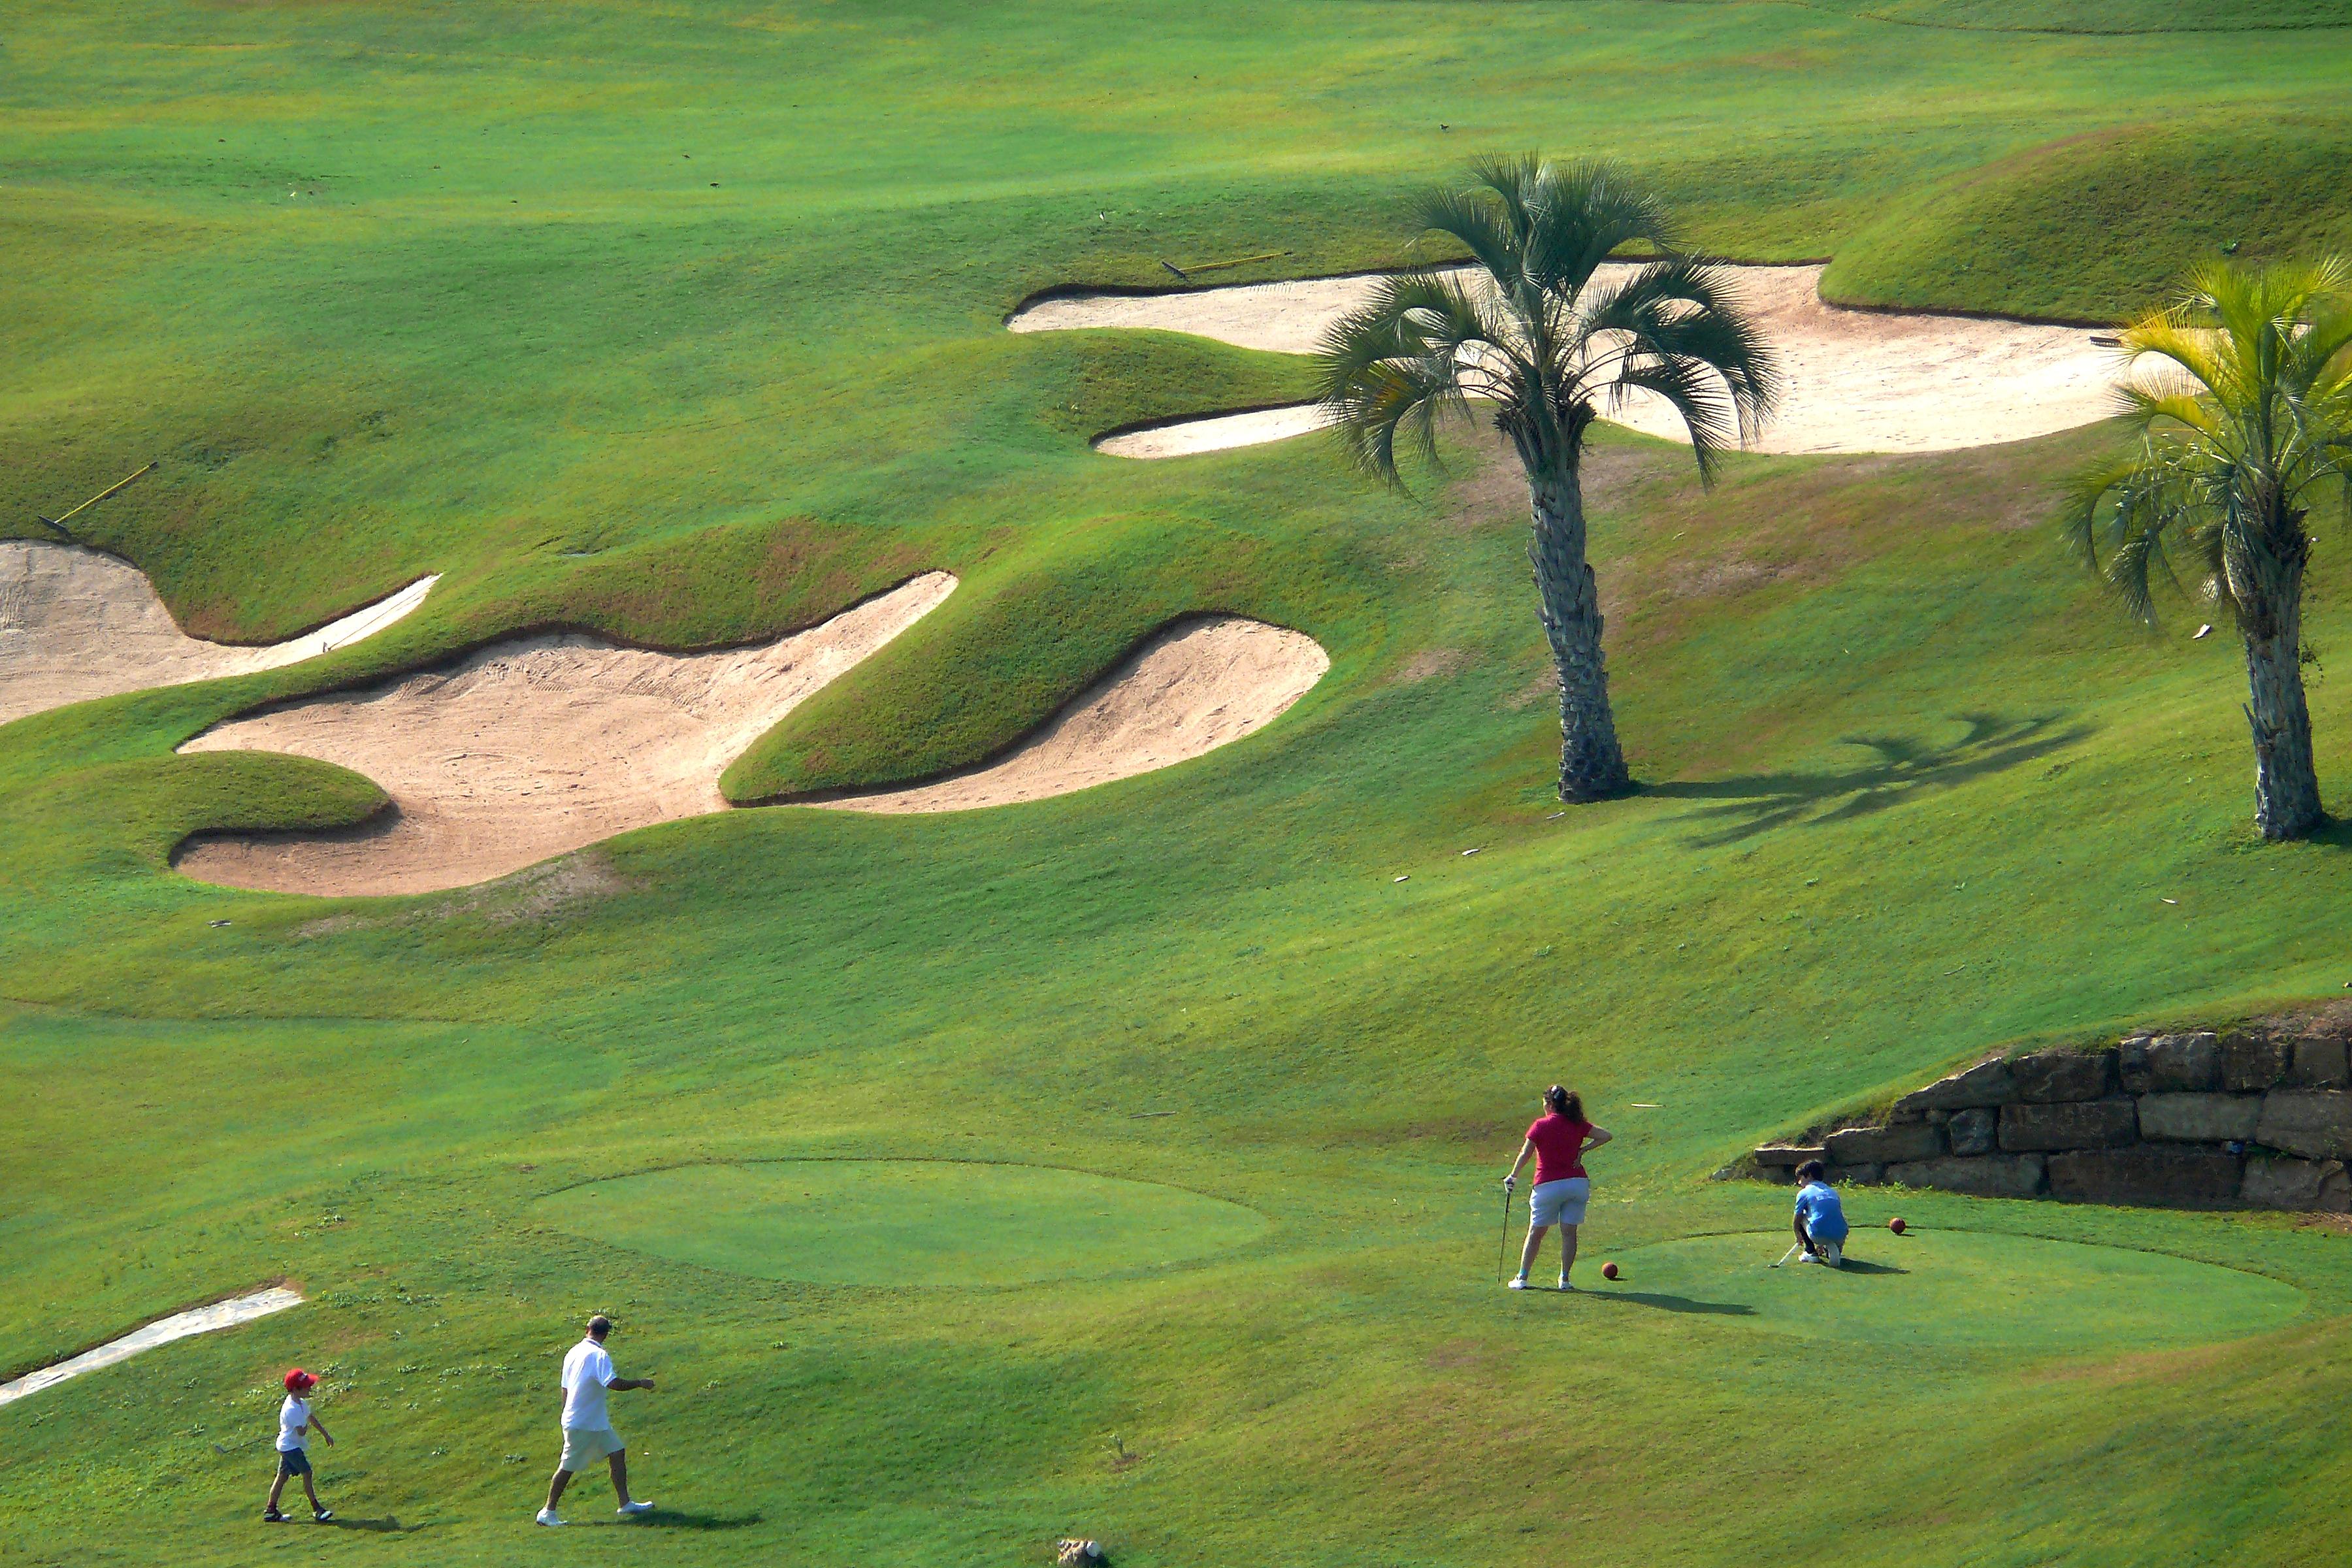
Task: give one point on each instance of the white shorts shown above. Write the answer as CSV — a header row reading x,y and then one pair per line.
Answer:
x,y
1559,1203
584,1445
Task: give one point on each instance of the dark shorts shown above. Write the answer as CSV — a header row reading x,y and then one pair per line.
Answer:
x,y
293,1462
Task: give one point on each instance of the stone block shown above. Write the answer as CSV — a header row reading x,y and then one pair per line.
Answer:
x,y
2200,1178
2315,1123
2184,1064
2308,1186
1987,1083
2199,1118
2318,1061
1868,1175
1975,1131
1993,1176
2254,1059
2131,1064
1789,1155
1886,1145
2076,1124
2048,1075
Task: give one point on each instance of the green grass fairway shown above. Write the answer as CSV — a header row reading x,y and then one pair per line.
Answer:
x,y
1955,1290
684,323
875,1222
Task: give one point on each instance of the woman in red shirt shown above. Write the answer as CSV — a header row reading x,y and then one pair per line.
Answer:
x,y
1558,1141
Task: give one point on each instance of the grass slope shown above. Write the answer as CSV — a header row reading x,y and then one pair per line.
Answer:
x,y
2097,15
2106,225
395,288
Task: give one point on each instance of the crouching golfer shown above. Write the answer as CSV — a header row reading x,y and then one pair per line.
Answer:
x,y
588,1433
1821,1216
1558,1141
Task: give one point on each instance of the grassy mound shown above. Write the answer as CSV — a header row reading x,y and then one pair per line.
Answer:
x,y
873,1222
2100,227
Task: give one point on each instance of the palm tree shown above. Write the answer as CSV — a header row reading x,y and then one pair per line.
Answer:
x,y
2250,413
1550,348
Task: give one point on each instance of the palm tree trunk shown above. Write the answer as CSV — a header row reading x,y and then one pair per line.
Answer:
x,y
2286,783
1592,765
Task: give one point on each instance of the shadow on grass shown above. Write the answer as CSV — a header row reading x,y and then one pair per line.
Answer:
x,y
388,1525
1899,768
1675,1303
680,1519
1856,1266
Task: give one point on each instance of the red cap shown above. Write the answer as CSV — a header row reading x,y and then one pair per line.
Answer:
x,y
297,1380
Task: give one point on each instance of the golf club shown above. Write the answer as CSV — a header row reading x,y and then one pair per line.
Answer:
x,y
1503,1242
1791,1253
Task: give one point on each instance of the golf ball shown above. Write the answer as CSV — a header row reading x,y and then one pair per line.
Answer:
x,y
1608,1271
1897,1225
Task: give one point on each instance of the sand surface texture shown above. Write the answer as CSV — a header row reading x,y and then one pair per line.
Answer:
x,y
163,1332
528,749
77,623
1858,380
1197,685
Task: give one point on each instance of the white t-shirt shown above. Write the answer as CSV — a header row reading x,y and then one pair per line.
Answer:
x,y
586,1369
292,1417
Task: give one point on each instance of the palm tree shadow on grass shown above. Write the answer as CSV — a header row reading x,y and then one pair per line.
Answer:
x,y
1899,769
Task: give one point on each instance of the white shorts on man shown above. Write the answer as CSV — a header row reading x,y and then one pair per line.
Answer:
x,y
1559,1203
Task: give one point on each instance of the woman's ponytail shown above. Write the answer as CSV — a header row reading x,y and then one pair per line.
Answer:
x,y
1565,1103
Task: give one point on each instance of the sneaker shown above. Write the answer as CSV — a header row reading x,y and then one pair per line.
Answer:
x,y
1518,1284
1807,1257
271,1516
629,1509
547,1516
322,1515
1566,1285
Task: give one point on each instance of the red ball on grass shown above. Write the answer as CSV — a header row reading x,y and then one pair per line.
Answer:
x,y
1897,1225
1608,1271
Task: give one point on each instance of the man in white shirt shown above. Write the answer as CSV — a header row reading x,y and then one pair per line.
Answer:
x,y
588,1433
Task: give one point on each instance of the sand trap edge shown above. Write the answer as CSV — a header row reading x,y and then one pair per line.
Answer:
x,y
208,1319
897,800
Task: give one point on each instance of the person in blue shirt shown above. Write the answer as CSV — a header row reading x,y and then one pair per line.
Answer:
x,y
1821,1217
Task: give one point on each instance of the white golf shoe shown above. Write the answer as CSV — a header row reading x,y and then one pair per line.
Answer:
x,y
549,1516
630,1509
1519,1283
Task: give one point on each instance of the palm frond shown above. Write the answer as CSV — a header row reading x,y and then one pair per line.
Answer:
x,y
2255,408
1392,369
1682,310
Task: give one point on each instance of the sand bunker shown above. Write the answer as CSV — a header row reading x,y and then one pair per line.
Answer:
x,y
1858,380
532,747
164,1330
77,623
1195,686
1216,433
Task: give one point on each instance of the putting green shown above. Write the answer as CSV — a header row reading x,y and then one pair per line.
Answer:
x,y
1960,1288
880,1222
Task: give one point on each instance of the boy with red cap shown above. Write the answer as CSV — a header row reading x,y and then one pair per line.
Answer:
x,y
294,1423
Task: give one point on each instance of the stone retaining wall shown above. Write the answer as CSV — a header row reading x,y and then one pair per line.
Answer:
x,y
2255,1116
